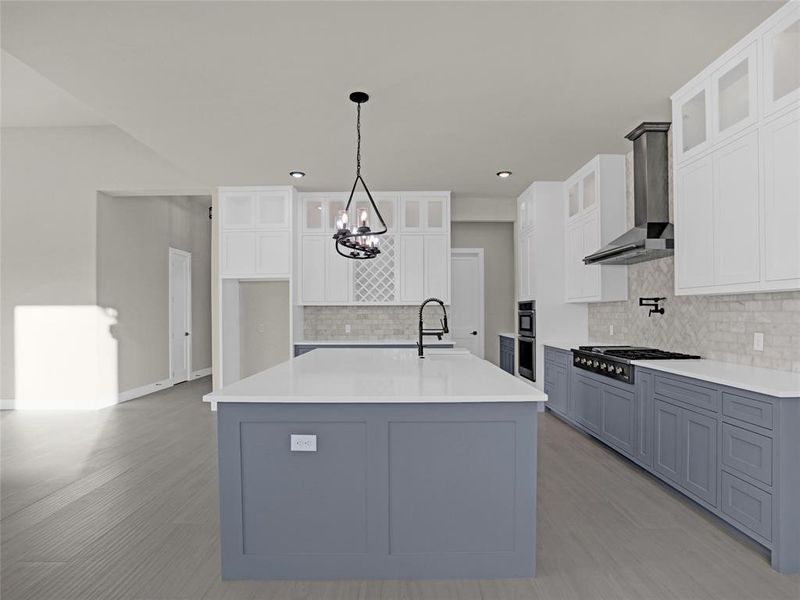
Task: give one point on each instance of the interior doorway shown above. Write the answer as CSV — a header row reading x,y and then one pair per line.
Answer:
x,y
180,315
466,314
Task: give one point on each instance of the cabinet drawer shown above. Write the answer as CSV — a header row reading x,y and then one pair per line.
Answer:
x,y
747,452
747,505
747,409
689,393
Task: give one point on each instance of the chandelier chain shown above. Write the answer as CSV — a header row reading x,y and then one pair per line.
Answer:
x,y
358,146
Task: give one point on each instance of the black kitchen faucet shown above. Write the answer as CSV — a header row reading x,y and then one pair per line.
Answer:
x,y
437,332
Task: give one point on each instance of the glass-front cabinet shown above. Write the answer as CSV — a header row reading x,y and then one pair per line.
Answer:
x,y
690,121
781,46
733,87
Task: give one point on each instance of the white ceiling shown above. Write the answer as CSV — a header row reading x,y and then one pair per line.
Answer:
x,y
29,100
242,93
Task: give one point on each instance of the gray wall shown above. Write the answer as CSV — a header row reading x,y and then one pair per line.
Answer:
x,y
50,181
716,327
263,325
497,241
134,235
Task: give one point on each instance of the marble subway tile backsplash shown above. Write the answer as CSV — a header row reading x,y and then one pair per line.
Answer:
x,y
715,327
366,322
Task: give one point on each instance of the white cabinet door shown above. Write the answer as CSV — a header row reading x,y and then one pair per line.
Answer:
x,y
437,271
573,264
589,192
530,263
411,214
338,281
314,215
522,267
272,210
780,141
736,207
313,268
781,46
734,94
694,226
238,253
238,210
591,287
412,264
573,198
272,253
690,118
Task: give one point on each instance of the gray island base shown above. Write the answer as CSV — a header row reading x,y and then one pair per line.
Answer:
x,y
441,487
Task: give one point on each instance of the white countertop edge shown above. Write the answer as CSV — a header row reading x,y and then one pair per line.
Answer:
x,y
770,382
508,335
410,343
535,396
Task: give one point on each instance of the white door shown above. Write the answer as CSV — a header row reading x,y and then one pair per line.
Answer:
x,y
180,316
465,316
694,226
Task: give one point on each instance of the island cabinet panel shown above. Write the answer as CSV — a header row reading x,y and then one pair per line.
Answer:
x,y
393,491
440,508
303,502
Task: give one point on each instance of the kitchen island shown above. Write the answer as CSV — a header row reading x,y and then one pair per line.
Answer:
x,y
373,463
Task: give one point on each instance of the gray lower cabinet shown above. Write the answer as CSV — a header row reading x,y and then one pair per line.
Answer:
x,y
507,354
733,451
666,441
643,446
588,399
686,449
556,383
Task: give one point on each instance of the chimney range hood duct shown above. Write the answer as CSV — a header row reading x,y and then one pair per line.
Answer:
x,y
652,234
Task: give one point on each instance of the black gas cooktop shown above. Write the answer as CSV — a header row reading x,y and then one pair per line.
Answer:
x,y
615,361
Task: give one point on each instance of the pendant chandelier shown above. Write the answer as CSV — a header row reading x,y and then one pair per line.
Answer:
x,y
358,241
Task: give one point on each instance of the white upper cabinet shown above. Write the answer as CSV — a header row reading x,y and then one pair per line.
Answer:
x,y
255,232
734,94
781,51
525,212
737,194
422,213
780,148
691,115
595,209
415,256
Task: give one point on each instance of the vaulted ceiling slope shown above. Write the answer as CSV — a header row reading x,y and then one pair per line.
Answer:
x,y
242,93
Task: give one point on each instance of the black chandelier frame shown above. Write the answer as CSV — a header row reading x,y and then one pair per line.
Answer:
x,y
357,242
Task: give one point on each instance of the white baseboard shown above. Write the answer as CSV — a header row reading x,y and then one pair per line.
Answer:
x,y
143,390
201,373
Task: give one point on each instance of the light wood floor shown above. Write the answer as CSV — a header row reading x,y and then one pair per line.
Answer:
x,y
122,503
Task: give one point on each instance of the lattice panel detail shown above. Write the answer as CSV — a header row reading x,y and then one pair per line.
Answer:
x,y
374,280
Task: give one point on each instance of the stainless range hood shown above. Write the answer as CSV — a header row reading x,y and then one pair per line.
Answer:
x,y
652,235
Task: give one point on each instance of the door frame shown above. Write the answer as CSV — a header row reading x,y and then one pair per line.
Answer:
x,y
478,252
188,255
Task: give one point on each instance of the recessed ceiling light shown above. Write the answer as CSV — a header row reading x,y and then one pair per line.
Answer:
x,y
504,174
297,174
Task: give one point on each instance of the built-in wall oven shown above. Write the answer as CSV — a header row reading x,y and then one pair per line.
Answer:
x,y
526,340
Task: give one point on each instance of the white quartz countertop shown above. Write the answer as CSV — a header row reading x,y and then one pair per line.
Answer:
x,y
782,384
507,334
385,375
429,341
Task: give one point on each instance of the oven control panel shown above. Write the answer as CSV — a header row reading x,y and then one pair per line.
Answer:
x,y
601,365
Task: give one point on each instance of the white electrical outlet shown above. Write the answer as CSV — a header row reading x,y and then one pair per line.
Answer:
x,y
303,443
611,329
758,342
347,327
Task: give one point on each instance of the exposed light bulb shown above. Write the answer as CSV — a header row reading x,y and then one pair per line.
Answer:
x,y
363,217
